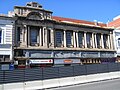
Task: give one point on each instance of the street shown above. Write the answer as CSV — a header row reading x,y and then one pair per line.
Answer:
x,y
103,85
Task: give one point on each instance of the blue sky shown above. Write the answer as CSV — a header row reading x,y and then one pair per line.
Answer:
x,y
90,10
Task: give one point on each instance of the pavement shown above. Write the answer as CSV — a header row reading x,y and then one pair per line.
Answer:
x,y
102,85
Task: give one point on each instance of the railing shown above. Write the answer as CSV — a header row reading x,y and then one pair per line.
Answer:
x,y
32,74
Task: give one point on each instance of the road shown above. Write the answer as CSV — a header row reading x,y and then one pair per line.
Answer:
x,y
102,85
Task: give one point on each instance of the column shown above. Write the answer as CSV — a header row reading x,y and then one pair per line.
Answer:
x,y
108,42
74,39
40,38
93,41
111,41
77,39
52,37
102,43
85,42
22,36
25,35
43,36
64,38
28,35
45,41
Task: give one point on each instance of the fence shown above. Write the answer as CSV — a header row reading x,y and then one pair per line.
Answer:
x,y
32,74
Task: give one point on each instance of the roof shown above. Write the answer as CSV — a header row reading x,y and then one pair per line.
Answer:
x,y
115,23
75,21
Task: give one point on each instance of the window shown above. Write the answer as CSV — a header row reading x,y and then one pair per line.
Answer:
x,y
105,39
34,4
59,38
18,34
49,36
89,38
34,35
98,37
18,11
0,36
69,38
118,42
80,39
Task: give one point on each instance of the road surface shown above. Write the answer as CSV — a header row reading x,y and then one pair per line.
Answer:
x,y
102,85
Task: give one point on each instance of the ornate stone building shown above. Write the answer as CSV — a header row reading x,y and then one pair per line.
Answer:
x,y
45,40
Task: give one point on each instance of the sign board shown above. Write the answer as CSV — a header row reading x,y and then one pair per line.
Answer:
x,y
43,61
66,61
7,67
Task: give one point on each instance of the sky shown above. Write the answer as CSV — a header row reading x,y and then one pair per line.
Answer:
x,y
90,10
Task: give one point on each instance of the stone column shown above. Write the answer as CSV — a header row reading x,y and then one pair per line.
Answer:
x,y
22,36
43,33
28,35
45,41
93,41
85,42
64,38
25,35
108,41
102,43
111,41
74,39
52,37
40,38
77,39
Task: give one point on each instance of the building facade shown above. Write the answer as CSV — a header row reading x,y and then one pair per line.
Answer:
x,y
6,39
116,25
45,40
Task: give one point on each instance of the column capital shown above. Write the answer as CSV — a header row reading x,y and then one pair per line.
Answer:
x,y
44,27
75,30
64,29
111,32
24,26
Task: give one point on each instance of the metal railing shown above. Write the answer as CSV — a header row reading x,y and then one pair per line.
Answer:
x,y
32,74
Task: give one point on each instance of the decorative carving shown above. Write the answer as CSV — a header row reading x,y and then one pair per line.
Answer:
x,y
35,16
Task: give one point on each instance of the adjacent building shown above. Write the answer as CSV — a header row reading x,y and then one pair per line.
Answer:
x,y
6,39
45,40
116,25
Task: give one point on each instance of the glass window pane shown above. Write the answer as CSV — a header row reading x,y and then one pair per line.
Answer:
x,y
34,32
69,38
105,39
59,38
88,39
80,39
98,37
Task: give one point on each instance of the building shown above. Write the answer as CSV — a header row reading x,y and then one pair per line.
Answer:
x,y
116,25
6,39
45,40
